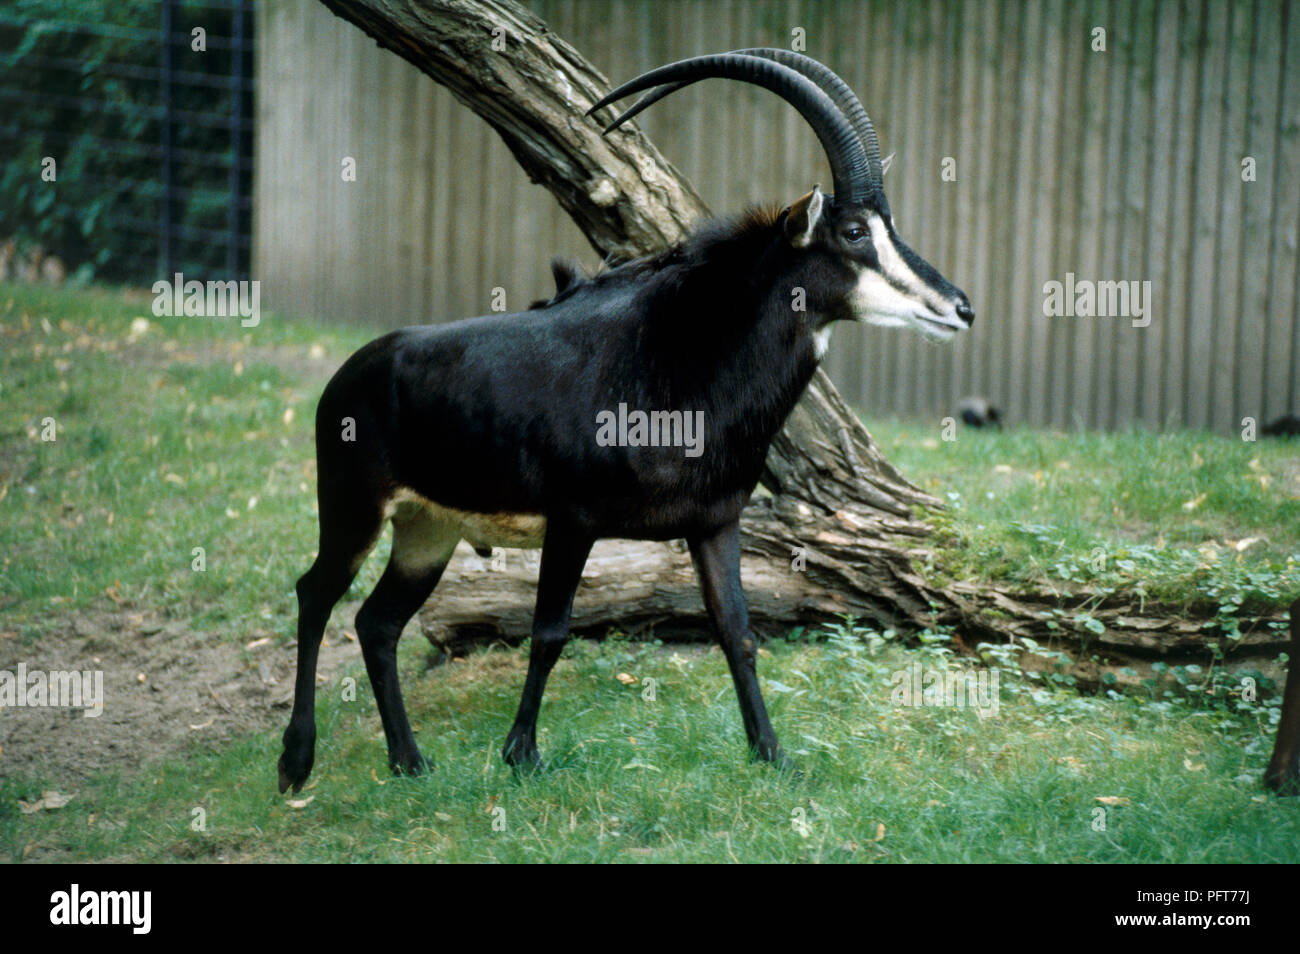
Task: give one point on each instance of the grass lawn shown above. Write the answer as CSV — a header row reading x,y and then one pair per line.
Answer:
x,y
177,434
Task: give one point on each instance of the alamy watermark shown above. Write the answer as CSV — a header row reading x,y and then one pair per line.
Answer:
x,y
917,687
626,428
56,688
1083,298
77,907
196,299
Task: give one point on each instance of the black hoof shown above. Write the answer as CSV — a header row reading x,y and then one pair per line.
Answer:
x,y
291,775
521,754
780,761
413,765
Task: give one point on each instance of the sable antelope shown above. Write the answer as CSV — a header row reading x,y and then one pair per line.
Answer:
x,y
489,429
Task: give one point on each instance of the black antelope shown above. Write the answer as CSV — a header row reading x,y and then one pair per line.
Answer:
x,y
490,429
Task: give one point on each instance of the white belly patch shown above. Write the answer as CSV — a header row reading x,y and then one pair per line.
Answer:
x,y
519,530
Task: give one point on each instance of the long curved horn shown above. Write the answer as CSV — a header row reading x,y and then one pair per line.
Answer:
x,y
850,169
840,93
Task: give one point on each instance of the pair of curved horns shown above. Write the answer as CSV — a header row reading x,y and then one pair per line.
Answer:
x,y
823,99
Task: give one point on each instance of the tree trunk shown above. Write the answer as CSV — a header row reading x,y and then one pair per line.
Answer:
x,y
835,530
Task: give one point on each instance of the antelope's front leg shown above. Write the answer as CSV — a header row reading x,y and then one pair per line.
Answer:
x,y
717,561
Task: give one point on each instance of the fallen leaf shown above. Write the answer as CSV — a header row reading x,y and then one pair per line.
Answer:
x,y
301,802
258,642
1195,502
202,725
1193,766
442,816
49,801
1113,800
627,679
880,832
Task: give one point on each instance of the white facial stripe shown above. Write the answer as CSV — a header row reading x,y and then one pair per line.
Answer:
x,y
891,263
895,295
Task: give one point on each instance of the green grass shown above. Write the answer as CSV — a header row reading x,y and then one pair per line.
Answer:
x,y
1182,516
168,440
180,436
634,780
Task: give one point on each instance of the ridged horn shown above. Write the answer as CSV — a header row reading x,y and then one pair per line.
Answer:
x,y
850,168
840,93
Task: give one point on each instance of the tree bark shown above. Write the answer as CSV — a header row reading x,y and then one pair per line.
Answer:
x,y
836,530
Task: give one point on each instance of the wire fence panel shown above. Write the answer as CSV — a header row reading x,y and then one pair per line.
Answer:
x,y
127,136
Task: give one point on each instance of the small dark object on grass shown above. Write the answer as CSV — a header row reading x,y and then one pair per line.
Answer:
x,y
1286,426
978,412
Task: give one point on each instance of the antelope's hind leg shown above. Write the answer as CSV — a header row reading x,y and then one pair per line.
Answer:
x,y
347,536
564,554
421,548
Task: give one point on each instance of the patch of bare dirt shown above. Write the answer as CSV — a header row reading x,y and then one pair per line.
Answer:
x,y
164,686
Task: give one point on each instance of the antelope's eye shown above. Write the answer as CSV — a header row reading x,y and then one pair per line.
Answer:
x,y
855,234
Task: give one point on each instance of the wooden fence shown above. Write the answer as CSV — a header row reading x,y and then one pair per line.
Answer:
x,y
1025,154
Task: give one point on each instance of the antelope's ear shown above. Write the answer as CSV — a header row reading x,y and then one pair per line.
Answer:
x,y
803,216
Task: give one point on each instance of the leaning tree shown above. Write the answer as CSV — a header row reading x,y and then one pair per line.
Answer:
x,y
835,530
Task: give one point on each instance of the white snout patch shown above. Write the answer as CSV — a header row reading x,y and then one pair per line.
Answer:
x,y
895,296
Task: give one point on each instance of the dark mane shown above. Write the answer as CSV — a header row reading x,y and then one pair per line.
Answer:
x,y
704,243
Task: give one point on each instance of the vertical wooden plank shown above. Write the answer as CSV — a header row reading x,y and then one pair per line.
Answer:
x,y
1183,197
1106,331
1207,173
1020,294
1134,210
907,199
1283,380
1255,325
959,40
1042,187
1001,235
979,163
1231,133
1067,240
1162,50
1091,183
932,384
